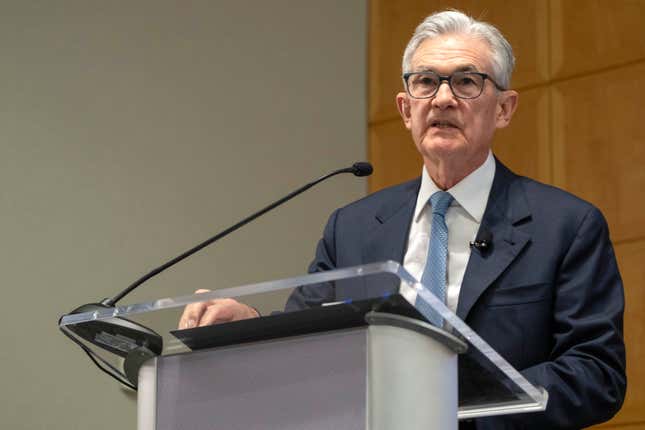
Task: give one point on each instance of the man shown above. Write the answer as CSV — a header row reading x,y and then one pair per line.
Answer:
x,y
546,295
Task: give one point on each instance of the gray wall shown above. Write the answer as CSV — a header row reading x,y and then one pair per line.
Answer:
x,y
131,130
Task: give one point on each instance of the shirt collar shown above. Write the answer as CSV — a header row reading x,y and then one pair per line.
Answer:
x,y
471,193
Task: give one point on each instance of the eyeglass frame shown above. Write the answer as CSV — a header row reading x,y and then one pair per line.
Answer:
x,y
447,78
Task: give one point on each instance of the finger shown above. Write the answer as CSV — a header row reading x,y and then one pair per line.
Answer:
x,y
218,312
193,313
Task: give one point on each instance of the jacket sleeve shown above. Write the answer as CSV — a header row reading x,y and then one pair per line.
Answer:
x,y
585,373
325,259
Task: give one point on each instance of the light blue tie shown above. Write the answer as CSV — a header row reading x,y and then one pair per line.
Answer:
x,y
434,274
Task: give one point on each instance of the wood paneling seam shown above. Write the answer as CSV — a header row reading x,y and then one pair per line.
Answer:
x,y
628,241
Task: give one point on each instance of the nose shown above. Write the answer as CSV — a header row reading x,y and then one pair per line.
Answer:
x,y
444,97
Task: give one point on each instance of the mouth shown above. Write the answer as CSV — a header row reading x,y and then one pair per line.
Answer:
x,y
443,124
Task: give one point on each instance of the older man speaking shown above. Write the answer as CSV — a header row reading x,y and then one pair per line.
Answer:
x,y
546,294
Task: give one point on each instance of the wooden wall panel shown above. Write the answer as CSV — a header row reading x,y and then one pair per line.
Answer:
x,y
581,76
595,34
392,152
393,22
391,26
631,257
631,426
525,143
599,144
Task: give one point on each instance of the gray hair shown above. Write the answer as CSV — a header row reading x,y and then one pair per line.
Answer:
x,y
455,22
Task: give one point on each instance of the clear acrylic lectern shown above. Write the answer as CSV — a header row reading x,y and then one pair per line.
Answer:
x,y
373,363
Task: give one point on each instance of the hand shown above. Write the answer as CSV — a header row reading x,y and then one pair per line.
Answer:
x,y
214,311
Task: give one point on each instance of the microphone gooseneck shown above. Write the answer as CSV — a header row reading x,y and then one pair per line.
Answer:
x,y
361,168
136,343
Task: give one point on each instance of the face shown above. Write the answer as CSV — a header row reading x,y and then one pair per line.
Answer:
x,y
447,129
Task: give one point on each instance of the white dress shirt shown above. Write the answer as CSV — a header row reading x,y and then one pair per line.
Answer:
x,y
463,219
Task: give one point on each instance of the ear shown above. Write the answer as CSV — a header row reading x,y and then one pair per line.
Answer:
x,y
403,105
506,105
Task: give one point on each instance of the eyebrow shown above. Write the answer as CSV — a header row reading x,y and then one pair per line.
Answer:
x,y
464,68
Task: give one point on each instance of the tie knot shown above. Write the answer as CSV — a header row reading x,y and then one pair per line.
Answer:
x,y
440,202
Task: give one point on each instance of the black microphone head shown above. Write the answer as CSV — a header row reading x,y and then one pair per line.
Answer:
x,y
362,168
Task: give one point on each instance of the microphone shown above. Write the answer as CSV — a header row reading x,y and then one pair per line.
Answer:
x,y
361,168
135,342
483,241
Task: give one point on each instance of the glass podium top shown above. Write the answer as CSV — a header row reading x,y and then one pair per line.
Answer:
x,y
118,339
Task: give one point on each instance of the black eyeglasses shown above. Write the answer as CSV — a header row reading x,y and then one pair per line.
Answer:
x,y
464,85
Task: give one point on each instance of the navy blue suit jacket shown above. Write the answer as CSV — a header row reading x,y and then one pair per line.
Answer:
x,y
547,296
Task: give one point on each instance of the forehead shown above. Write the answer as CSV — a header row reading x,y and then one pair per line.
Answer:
x,y
448,53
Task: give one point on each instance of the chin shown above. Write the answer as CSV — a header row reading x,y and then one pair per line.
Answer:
x,y
442,147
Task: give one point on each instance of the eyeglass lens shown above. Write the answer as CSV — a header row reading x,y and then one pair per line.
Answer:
x,y
463,84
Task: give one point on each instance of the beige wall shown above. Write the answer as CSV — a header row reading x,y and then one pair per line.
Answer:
x,y
131,130
581,77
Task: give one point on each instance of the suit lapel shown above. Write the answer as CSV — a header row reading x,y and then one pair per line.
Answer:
x,y
388,238
506,207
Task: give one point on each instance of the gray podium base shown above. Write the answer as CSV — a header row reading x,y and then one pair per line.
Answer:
x,y
396,373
